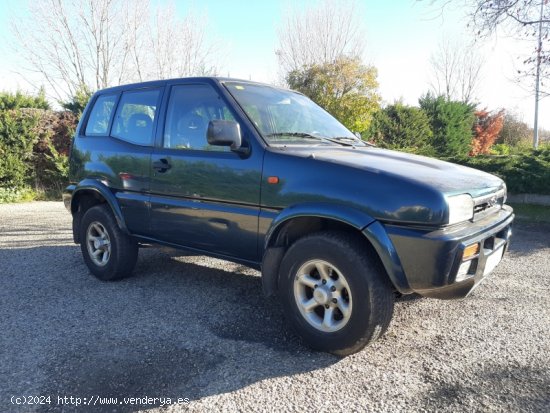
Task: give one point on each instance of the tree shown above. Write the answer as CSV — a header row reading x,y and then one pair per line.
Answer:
x,y
402,127
319,34
514,130
346,88
451,123
520,18
78,102
456,71
486,129
527,20
175,47
94,44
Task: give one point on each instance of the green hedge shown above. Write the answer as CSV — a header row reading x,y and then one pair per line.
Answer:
x,y
34,147
404,128
528,172
18,135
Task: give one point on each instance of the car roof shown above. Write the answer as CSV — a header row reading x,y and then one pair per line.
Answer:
x,y
203,79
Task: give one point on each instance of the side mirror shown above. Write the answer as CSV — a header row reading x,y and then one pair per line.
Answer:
x,y
224,133
357,135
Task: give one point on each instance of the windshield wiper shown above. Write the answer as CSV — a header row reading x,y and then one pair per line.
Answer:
x,y
350,139
309,136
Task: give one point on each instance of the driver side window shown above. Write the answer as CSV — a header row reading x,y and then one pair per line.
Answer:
x,y
190,109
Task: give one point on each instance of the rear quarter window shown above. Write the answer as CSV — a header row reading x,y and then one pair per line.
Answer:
x,y
100,116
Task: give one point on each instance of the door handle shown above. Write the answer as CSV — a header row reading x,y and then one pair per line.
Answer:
x,y
161,165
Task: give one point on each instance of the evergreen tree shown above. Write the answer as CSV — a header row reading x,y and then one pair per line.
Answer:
x,y
451,123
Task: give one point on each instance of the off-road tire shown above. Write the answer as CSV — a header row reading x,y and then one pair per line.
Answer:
x,y
370,287
123,249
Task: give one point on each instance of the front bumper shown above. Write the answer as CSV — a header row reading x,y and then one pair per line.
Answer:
x,y
431,259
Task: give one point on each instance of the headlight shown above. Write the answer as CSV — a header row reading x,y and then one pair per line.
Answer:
x,y
461,208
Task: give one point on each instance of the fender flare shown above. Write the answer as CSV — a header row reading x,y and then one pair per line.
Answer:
x,y
105,192
351,216
273,254
381,242
371,229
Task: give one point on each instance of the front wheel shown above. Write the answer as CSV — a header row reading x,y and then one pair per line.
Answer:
x,y
335,293
108,252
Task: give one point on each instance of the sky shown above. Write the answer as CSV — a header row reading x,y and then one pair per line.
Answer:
x,y
400,37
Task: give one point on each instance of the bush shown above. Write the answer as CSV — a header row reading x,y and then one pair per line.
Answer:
x,y
8,195
451,123
404,128
79,101
50,153
500,149
18,134
34,147
528,172
20,100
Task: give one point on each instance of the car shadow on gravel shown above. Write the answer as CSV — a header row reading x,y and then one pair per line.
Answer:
x,y
407,298
176,329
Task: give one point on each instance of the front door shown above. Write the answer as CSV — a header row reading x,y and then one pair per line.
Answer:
x,y
202,196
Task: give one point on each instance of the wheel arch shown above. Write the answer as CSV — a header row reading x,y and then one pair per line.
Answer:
x,y
295,222
345,216
89,193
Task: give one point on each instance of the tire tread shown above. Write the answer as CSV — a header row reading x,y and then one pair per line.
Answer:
x,y
380,289
124,249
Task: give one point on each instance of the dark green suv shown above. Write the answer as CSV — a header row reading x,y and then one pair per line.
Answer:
x,y
264,177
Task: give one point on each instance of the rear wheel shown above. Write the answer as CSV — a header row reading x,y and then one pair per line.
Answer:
x,y
108,252
335,293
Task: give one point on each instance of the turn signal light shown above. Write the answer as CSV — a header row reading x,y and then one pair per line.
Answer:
x,y
470,251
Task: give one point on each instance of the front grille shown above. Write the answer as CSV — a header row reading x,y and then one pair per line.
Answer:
x,y
488,204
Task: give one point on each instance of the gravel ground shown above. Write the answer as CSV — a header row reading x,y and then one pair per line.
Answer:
x,y
199,328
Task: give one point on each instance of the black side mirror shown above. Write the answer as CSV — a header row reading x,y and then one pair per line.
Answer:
x,y
224,133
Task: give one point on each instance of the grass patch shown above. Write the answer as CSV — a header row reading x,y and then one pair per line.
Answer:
x,y
532,213
12,195
28,194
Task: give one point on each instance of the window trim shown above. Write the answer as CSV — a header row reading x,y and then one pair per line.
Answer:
x,y
155,120
111,117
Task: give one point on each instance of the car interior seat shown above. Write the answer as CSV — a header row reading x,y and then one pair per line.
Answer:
x,y
140,127
191,131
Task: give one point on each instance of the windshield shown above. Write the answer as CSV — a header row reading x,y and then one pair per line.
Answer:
x,y
286,117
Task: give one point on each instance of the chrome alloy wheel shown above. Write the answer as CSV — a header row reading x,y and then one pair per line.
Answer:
x,y
323,296
98,243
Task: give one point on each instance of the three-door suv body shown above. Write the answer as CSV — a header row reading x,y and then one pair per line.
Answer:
x,y
264,177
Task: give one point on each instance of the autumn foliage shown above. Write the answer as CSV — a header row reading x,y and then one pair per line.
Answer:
x,y
486,130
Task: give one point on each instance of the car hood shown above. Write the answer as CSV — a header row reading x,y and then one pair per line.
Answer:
x,y
445,177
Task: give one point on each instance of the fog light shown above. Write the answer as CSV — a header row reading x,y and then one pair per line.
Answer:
x,y
470,251
463,271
